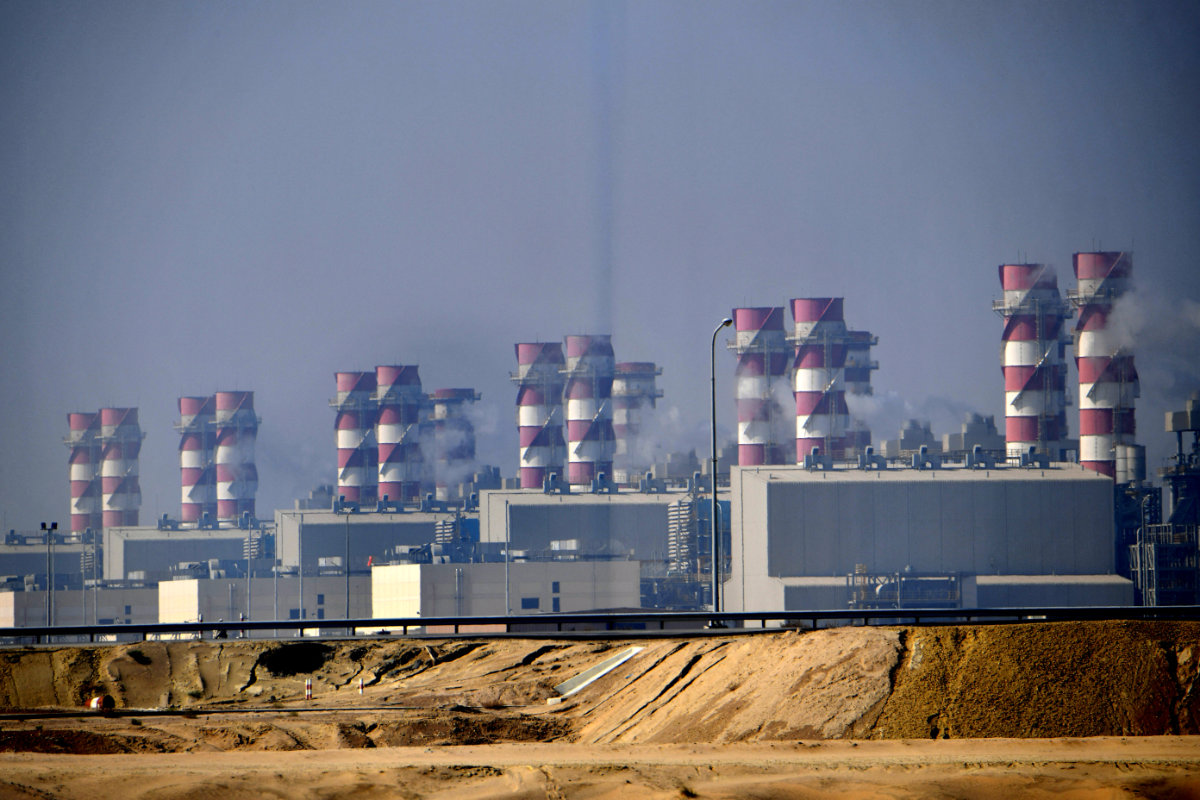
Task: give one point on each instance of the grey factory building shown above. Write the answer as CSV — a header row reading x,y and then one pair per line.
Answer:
x,y
998,537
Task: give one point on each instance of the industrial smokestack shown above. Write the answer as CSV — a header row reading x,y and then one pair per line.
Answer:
x,y
539,411
634,392
453,438
1108,381
197,472
858,383
1033,360
765,430
398,431
236,433
588,398
84,470
120,443
819,382
354,426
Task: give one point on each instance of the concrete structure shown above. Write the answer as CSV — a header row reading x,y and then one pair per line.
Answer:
x,y
357,450
120,443
624,524
450,590
236,433
765,419
322,535
587,397
197,467
539,411
818,374
399,396
1033,360
977,430
796,533
187,600
84,443
635,393
1108,381
110,606
913,436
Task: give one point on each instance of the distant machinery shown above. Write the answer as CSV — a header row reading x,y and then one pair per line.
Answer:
x,y
236,434
357,450
197,469
1108,381
83,440
635,393
539,411
765,425
399,398
453,438
819,377
120,442
1033,360
587,395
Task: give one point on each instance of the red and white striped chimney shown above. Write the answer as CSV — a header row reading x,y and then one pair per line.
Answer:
x,y
634,393
84,468
818,375
587,395
120,443
197,473
765,427
453,439
397,432
236,433
1033,360
539,411
1108,381
357,451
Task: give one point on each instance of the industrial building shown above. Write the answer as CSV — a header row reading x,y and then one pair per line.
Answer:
x,y
799,535
225,599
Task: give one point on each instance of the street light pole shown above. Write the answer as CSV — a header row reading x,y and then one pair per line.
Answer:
x,y
716,548
49,530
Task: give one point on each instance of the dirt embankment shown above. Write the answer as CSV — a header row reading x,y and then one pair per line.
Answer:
x,y
1053,680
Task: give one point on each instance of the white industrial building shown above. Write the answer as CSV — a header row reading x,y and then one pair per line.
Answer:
x,y
322,534
213,599
150,554
1009,537
108,606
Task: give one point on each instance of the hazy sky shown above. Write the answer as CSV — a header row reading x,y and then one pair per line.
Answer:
x,y
209,196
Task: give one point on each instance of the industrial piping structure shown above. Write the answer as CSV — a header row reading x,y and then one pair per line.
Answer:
x,y
1033,360
197,472
399,397
453,438
634,393
120,443
357,451
83,440
587,394
236,433
539,410
820,339
764,437
1108,381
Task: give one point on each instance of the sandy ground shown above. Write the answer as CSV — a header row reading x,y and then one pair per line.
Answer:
x,y
1082,769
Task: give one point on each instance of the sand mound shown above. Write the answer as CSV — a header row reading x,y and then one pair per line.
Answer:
x,y
1052,680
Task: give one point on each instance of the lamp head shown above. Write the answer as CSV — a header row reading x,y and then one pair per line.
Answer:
x,y
725,323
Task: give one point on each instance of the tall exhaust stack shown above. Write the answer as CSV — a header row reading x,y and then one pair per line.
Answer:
x,y
1108,381
539,383
197,470
587,395
83,440
354,426
398,431
1033,360
120,444
634,393
819,380
236,433
765,425
453,439
858,383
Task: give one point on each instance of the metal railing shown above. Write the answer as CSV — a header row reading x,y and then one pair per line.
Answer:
x,y
633,623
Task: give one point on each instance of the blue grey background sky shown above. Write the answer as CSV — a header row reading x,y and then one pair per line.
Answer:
x,y
209,196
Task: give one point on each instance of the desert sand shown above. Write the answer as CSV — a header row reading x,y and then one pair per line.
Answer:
x,y
1076,710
